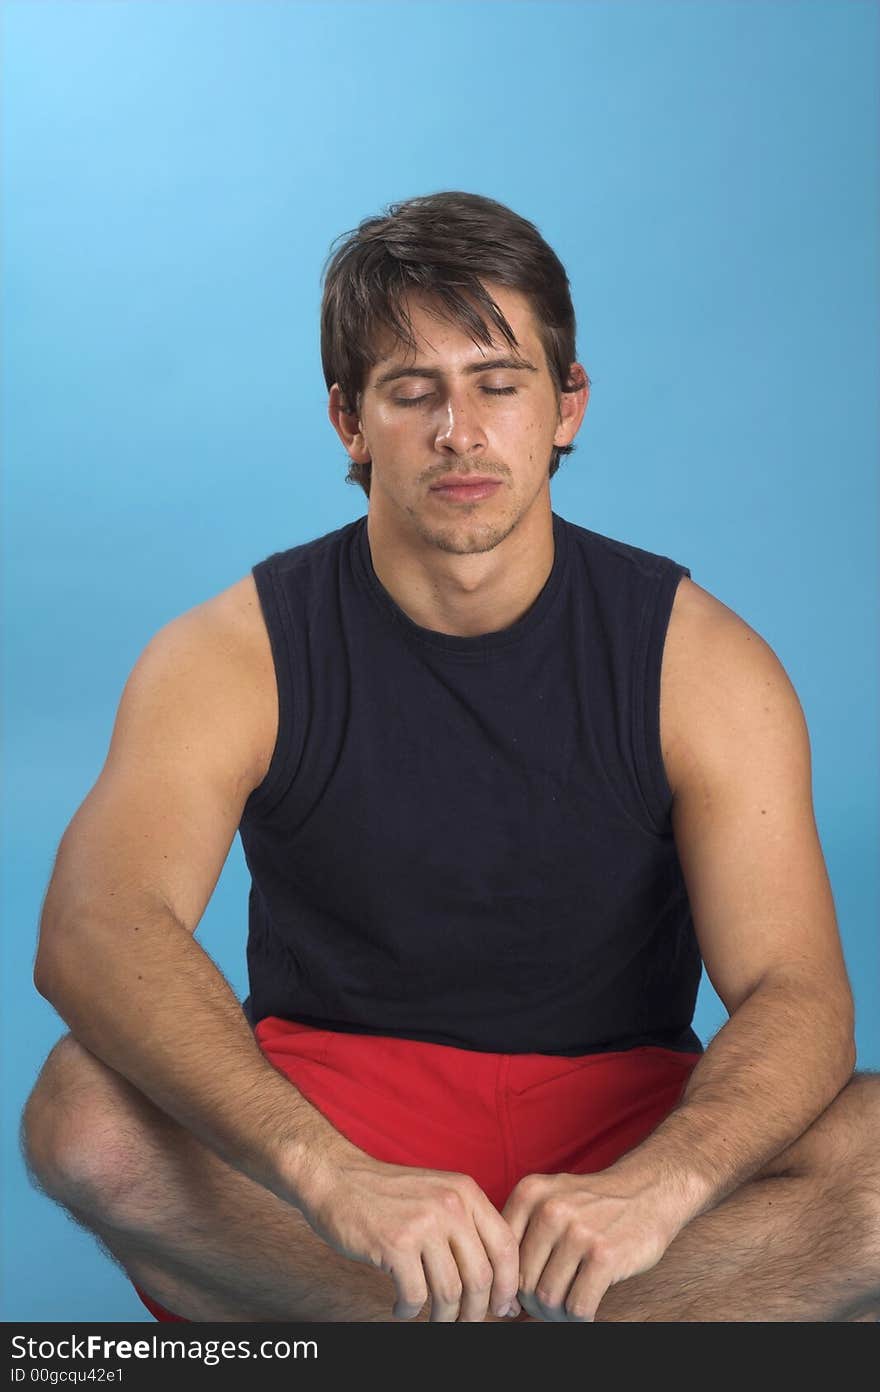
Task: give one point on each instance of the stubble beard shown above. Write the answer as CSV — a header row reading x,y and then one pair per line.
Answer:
x,y
463,540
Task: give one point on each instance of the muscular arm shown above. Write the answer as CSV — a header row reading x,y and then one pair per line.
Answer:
x,y
736,751
135,869
779,1061
738,756
118,960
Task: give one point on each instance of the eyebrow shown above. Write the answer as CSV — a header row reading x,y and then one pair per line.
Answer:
x,y
434,373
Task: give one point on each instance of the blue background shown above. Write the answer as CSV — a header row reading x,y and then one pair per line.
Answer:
x,y
173,176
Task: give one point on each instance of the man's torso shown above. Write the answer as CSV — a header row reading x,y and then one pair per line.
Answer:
x,y
693,610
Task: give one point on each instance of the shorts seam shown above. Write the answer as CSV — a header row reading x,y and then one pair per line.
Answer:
x,y
505,1121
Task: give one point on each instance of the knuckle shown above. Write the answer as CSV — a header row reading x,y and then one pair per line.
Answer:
x,y
469,1192
582,1231
481,1280
452,1201
529,1188
449,1294
467,1185
556,1209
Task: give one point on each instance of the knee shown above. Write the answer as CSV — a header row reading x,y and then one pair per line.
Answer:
x,y
858,1108
70,1139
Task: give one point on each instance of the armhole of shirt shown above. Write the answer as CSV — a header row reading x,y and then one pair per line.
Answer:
x,y
279,774
646,705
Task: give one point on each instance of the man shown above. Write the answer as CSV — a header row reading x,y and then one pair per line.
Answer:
x,y
491,835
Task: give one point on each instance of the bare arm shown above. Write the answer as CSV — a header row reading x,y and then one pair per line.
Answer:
x,y
118,960
736,750
740,767
135,869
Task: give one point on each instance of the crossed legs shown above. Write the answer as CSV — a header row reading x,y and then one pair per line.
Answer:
x,y
799,1242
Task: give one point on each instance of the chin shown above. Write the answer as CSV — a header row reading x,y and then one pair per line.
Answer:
x,y
467,539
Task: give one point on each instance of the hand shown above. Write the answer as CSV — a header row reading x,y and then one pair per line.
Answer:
x,y
432,1231
578,1235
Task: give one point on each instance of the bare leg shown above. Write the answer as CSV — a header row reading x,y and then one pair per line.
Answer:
x,y
757,1256
801,1242
202,1239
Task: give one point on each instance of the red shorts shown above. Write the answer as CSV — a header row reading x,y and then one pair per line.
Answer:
x,y
496,1117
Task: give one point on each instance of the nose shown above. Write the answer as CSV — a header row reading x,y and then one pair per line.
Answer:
x,y
459,430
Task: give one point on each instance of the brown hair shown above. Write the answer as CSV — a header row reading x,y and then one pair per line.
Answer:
x,y
442,245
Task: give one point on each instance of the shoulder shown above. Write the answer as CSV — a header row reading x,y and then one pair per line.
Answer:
x,y
237,612
228,625
224,643
722,689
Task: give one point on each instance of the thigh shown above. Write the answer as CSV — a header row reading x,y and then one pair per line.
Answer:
x,y
842,1136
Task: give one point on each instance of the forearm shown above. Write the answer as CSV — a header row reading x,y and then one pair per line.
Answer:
x,y
141,994
163,1016
777,1063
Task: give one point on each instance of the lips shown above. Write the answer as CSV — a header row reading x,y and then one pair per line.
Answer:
x,y
466,488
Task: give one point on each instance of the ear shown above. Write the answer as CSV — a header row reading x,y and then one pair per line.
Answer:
x,y
347,426
572,406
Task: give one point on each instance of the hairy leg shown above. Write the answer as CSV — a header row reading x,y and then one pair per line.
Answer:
x,y
201,1238
800,1242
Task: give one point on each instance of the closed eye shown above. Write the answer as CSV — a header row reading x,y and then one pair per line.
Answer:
x,y
414,400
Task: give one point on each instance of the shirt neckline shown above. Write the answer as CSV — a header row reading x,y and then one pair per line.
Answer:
x,y
474,645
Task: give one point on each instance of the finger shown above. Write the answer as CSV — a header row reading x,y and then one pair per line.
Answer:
x,y
444,1282
534,1254
588,1290
531,1309
412,1289
556,1281
502,1249
516,1213
476,1273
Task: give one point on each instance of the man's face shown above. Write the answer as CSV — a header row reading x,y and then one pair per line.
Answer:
x,y
456,410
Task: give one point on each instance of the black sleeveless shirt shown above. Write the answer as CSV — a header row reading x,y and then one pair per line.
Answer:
x,y
467,840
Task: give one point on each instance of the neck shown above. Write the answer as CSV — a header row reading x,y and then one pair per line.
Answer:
x,y
464,595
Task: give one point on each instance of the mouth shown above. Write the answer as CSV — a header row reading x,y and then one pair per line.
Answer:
x,y
466,490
